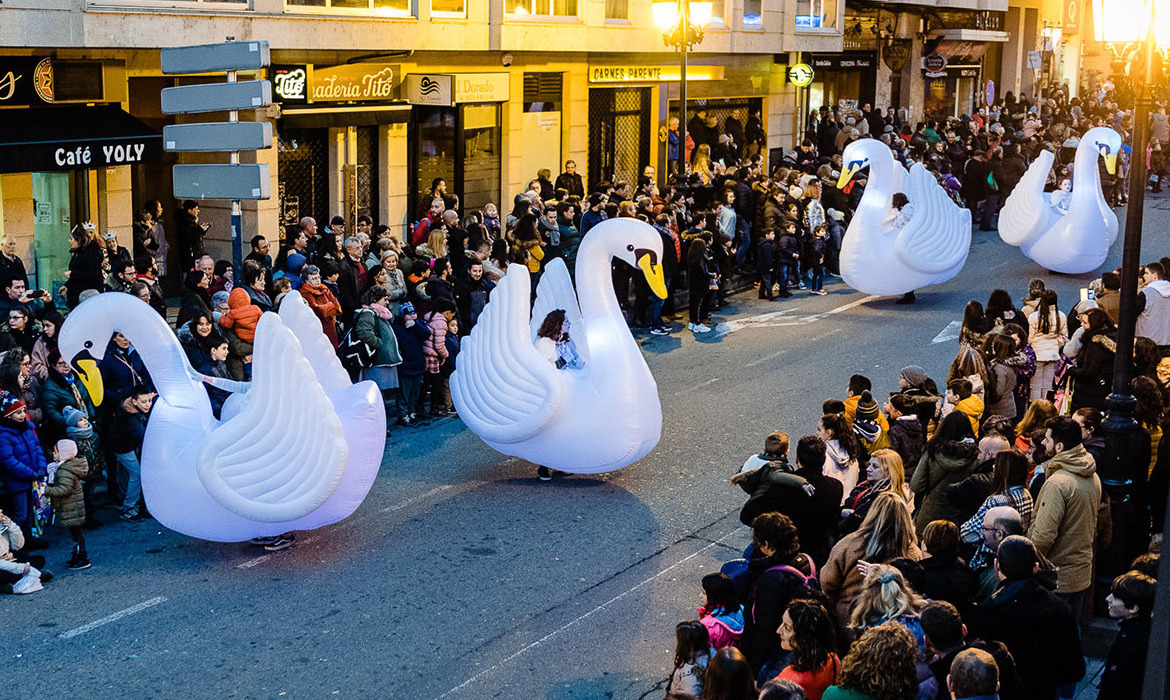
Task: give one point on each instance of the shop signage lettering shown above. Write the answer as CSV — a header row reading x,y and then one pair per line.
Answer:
x,y
481,87
26,81
844,61
82,156
350,82
290,83
935,65
431,90
651,74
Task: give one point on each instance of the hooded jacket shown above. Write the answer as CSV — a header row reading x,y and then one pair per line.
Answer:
x,y
972,407
724,628
68,502
1064,523
1154,320
242,316
953,462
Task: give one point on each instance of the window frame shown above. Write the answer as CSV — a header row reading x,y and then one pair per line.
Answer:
x,y
743,18
832,29
410,13
447,14
130,5
530,17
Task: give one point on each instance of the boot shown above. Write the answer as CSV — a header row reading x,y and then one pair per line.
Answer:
x,y
907,298
79,561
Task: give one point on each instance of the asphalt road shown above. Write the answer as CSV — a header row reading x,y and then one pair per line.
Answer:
x,y
462,576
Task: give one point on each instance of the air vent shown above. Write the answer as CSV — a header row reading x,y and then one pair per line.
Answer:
x,y
78,81
542,92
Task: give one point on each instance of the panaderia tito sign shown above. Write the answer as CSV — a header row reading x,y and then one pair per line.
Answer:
x,y
352,82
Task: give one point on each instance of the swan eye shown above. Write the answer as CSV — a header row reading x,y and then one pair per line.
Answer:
x,y
88,344
630,248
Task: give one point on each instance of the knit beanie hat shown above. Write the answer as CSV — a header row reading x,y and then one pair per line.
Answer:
x,y
72,417
295,262
66,449
10,404
867,408
914,375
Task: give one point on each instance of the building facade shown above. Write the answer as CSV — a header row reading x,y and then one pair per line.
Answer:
x,y
374,100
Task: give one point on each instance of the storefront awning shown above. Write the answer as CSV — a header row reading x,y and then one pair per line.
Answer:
x,y
74,138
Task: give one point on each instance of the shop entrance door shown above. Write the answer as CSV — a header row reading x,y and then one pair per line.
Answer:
x,y
303,164
367,173
462,146
52,214
619,134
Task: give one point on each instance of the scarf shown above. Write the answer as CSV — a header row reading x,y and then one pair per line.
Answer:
x,y
383,312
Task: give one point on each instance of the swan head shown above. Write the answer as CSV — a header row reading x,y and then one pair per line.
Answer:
x,y
857,155
86,332
1108,143
638,244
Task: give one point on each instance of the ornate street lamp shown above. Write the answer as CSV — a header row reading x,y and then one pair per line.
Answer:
x,y
682,23
1137,27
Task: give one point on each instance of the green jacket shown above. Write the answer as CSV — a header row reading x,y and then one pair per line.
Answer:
x,y
953,462
834,692
374,331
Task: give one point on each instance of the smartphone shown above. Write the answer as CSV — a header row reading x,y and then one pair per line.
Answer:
x,y
1086,294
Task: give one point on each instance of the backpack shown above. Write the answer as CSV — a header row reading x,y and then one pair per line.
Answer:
x,y
354,352
741,578
810,585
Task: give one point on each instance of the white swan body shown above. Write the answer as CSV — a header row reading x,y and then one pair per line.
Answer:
x,y
1072,241
298,451
931,248
597,419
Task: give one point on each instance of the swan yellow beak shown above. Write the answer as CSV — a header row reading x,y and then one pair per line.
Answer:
x,y
1110,162
653,271
90,376
847,174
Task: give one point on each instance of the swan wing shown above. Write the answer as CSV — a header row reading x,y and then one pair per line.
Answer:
x,y
285,452
1026,214
300,319
555,291
938,235
505,391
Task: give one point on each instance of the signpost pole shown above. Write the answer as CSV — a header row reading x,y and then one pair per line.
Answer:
x,y
237,215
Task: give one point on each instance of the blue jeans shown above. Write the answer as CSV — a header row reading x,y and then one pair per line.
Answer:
x,y
743,231
783,269
131,478
656,304
16,506
818,276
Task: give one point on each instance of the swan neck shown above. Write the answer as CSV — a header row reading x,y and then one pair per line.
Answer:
x,y
599,301
1091,175
161,353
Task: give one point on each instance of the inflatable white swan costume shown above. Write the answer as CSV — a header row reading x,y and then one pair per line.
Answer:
x,y
298,451
1072,241
932,247
596,419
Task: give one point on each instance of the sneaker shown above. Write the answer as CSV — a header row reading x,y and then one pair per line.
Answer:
x,y
543,474
819,292
78,564
263,541
700,328
130,515
690,326
659,331
800,285
405,421
282,542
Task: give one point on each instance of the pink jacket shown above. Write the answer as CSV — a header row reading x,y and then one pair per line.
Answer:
x,y
435,347
724,629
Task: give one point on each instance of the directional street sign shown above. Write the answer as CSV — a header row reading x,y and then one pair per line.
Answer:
x,y
222,181
217,136
216,58
216,97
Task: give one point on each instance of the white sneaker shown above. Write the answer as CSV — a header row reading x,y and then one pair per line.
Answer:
x,y
690,326
700,328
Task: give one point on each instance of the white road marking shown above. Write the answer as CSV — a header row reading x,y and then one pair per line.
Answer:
x,y
822,336
776,319
421,497
951,332
696,387
112,618
265,557
765,358
587,615
843,307
748,321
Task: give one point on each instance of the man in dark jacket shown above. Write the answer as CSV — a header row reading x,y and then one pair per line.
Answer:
x,y
815,514
570,180
353,277
190,233
124,438
122,369
471,295
1037,627
779,574
946,636
981,198
1130,602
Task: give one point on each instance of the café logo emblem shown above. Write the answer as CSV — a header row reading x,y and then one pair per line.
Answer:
x,y
290,85
426,86
43,79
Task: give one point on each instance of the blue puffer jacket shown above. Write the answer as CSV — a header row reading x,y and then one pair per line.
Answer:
x,y
21,458
410,343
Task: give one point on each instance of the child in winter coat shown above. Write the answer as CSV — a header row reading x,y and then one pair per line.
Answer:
x,y
692,651
452,343
242,316
217,367
766,262
67,472
435,351
80,431
411,335
787,257
721,612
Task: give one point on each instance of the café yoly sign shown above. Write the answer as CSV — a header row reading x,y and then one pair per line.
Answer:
x,y
800,74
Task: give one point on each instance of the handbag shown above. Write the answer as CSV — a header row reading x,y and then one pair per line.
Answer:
x,y
992,183
356,354
29,583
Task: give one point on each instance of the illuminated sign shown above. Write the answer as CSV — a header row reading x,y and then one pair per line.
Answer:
x,y
651,74
800,74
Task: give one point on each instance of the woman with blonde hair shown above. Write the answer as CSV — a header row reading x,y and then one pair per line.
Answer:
x,y
887,533
884,474
881,665
887,597
701,165
969,365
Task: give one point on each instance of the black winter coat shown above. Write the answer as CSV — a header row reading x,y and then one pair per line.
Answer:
x,y
815,516
907,439
410,344
950,580
770,595
1125,668
85,272
1038,629
1093,373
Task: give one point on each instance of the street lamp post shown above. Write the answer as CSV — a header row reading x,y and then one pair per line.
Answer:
x,y
1120,25
682,23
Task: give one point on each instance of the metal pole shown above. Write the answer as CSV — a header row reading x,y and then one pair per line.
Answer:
x,y
684,47
237,216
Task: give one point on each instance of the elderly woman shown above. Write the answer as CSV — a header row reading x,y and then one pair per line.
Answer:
x,y
321,300
395,281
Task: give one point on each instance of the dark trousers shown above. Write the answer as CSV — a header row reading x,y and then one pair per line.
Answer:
x,y
766,285
432,387
697,303
620,272
408,387
18,506
656,305
818,276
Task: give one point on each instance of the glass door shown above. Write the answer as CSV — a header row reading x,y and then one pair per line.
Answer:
x,y
52,221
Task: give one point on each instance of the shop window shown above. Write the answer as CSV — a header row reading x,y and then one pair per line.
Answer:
x,y
617,9
448,8
542,92
753,14
542,8
816,14
718,11
380,7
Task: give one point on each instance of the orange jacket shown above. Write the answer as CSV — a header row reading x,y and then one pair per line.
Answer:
x,y
242,316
